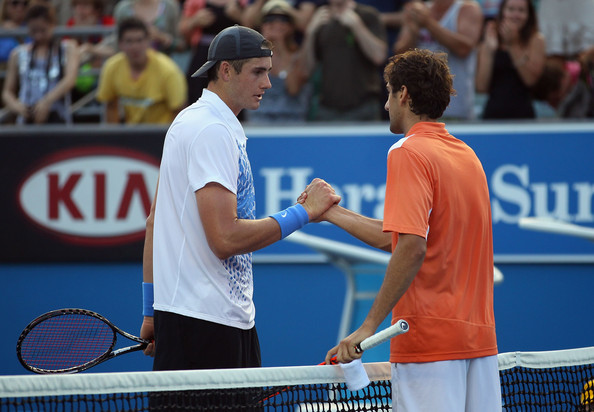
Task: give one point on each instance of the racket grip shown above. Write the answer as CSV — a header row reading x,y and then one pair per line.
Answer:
x,y
401,326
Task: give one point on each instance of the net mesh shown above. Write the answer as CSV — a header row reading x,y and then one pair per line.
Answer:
x,y
530,381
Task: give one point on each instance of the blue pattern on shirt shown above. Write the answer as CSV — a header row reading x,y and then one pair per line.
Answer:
x,y
240,267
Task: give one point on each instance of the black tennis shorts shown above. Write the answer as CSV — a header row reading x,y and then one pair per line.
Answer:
x,y
184,342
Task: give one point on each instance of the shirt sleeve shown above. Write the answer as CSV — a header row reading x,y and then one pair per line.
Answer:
x,y
214,157
409,194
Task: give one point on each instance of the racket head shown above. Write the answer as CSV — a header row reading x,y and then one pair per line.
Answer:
x,y
65,341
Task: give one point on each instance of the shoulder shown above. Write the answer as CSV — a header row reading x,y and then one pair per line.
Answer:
x,y
399,143
203,129
114,61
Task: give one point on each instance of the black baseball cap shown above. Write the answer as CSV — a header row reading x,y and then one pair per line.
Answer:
x,y
234,43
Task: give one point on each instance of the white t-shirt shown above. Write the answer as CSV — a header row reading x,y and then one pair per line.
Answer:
x,y
205,143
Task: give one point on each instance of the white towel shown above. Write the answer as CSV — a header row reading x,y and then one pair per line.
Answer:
x,y
355,375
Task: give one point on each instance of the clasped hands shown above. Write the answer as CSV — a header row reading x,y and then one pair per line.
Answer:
x,y
317,198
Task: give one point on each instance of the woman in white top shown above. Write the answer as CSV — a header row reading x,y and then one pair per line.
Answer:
x,y
41,74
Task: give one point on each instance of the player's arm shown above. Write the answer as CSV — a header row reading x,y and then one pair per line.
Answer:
x,y
366,229
404,264
228,235
147,330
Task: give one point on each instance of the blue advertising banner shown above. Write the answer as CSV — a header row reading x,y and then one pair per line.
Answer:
x,y
542,170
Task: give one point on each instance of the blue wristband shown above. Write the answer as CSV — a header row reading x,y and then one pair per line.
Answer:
x,y
148,297
291,219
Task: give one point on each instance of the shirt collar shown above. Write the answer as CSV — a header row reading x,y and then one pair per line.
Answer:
x,y
431,127
225,112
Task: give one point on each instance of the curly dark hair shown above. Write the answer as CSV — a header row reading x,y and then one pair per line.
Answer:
x,y
427,77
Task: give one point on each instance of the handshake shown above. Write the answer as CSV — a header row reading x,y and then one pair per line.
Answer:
x,y
317,199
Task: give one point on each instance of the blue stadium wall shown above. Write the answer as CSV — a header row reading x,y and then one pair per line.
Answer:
x,y
74,202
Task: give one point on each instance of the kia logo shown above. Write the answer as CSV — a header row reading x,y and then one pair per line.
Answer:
x,y
94,195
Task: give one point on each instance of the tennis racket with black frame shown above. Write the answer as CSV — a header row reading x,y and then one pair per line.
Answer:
x,y
70,341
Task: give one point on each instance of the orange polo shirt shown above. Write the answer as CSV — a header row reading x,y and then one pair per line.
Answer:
x,y
436,188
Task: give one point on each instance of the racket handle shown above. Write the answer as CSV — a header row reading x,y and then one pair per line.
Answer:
x,y
398,328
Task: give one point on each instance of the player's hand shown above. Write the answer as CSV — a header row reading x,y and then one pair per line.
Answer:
x,y
345,351
317,198
147,332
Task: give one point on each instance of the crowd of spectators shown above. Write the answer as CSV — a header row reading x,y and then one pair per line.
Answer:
x,y
509,57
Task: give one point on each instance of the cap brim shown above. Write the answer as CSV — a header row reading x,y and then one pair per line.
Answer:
x,y
201,72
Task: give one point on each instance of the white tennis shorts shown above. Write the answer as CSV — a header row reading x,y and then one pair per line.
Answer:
x,y
467,385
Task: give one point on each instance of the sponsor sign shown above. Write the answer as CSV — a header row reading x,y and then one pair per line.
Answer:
x,y
77,196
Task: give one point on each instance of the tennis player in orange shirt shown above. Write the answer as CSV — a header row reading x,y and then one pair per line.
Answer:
x,y
437,225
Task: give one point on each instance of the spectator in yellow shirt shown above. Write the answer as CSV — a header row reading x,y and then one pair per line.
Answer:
x,y
139,84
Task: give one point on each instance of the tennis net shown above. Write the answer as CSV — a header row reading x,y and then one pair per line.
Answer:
x,y
530,381
298,388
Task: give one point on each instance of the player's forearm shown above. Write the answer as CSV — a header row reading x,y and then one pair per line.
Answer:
x,y
404,264
147,253
364,228
245,236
